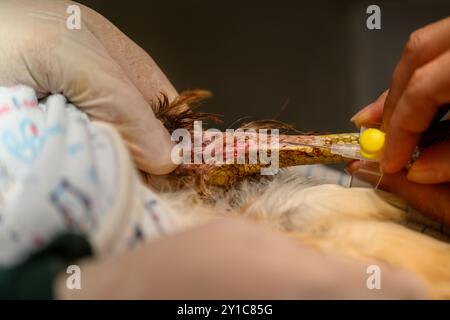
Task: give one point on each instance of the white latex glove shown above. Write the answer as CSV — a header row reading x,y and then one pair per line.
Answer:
x,y
96,67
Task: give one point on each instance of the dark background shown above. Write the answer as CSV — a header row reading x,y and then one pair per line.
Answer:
x,y
310,63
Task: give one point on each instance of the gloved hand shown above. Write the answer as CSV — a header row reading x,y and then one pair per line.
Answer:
x,y
96,67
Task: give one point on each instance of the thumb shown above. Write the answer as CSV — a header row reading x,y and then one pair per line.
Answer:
x,y
433,165
95,83
77,64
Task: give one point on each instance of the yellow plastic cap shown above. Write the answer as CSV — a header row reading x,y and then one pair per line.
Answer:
x,y
371,142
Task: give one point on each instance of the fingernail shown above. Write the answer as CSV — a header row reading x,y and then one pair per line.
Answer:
x,y
423,175
360,116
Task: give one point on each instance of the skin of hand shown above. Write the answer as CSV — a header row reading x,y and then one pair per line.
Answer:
x,y
96,67
420,86
240,260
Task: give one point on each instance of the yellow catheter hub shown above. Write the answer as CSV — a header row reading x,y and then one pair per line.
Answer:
x,y
371,142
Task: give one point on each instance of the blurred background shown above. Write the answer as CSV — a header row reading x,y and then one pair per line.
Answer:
x,y
310,63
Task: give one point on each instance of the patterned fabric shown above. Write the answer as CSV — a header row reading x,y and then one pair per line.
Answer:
x,y
61,172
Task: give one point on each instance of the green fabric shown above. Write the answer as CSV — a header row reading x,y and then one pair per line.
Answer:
x,y
34,278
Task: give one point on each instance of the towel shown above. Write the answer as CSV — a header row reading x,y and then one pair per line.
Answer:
x,y
61,172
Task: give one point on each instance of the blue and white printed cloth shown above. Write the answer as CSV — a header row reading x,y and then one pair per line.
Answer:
x,y
61,172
